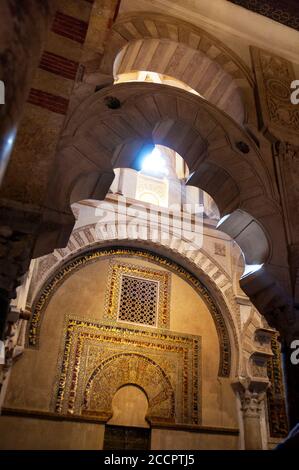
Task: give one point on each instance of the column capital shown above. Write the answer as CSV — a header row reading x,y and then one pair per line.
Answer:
x,y
252,394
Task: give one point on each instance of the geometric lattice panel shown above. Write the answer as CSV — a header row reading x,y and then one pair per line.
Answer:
x,y
98,358
137,294
285,12
138,301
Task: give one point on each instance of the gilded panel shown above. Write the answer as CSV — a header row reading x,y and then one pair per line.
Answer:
x,y
99,358
278,423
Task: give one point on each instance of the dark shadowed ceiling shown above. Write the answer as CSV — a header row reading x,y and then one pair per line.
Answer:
x,y
284,11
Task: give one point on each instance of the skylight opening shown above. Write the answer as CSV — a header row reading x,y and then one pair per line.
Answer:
x,y
251,268
154,163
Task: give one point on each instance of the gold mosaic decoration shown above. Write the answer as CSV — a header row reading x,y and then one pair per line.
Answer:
x,y
136,294
108,253
277,414
99,358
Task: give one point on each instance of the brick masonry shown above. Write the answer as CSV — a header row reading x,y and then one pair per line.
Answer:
x,y
69,27
59,65
54,103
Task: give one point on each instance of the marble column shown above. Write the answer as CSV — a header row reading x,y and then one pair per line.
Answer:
x,y
23,30
252,395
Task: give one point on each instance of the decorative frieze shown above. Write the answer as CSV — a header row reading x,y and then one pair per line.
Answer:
x,y
277,416
274,74
288,165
